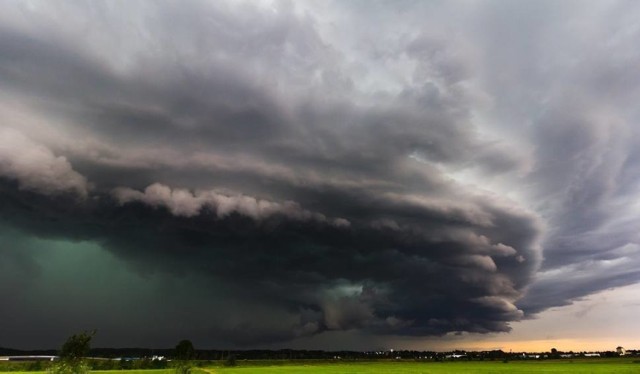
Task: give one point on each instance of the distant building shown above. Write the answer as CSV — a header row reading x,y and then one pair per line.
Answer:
x,y
456,355
620,351
28,358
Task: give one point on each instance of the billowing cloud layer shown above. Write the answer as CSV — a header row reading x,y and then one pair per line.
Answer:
x,y
387,168
35,167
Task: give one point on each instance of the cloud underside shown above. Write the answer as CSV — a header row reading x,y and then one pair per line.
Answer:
x,y
404,187
424,273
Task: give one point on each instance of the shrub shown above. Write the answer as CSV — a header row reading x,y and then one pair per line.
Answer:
x,y
231,360
72,355
66,367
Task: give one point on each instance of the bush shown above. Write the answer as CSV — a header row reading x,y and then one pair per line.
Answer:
x,y
35,366
231,360
65,367
72,355
126,364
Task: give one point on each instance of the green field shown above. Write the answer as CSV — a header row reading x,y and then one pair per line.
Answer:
x,y
585,366
565,366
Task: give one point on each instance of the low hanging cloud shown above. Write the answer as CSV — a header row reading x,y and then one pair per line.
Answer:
x,y
182,202
419,182
35,168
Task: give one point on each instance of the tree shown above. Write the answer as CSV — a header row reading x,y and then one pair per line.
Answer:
x,y
184,353
73,353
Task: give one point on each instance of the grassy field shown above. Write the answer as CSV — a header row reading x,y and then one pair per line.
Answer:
x,y
588,366
150,371
577,366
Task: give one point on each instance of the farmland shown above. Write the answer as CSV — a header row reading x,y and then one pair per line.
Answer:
x,y
582,366
551,366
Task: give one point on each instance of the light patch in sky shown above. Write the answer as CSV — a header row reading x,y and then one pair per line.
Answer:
x,y
599,322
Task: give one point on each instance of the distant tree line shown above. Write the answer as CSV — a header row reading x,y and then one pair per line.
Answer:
x,y
77,357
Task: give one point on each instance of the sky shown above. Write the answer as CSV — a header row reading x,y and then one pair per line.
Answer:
x,y
320,174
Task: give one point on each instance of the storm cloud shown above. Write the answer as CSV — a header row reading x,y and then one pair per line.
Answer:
x,y
288,170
